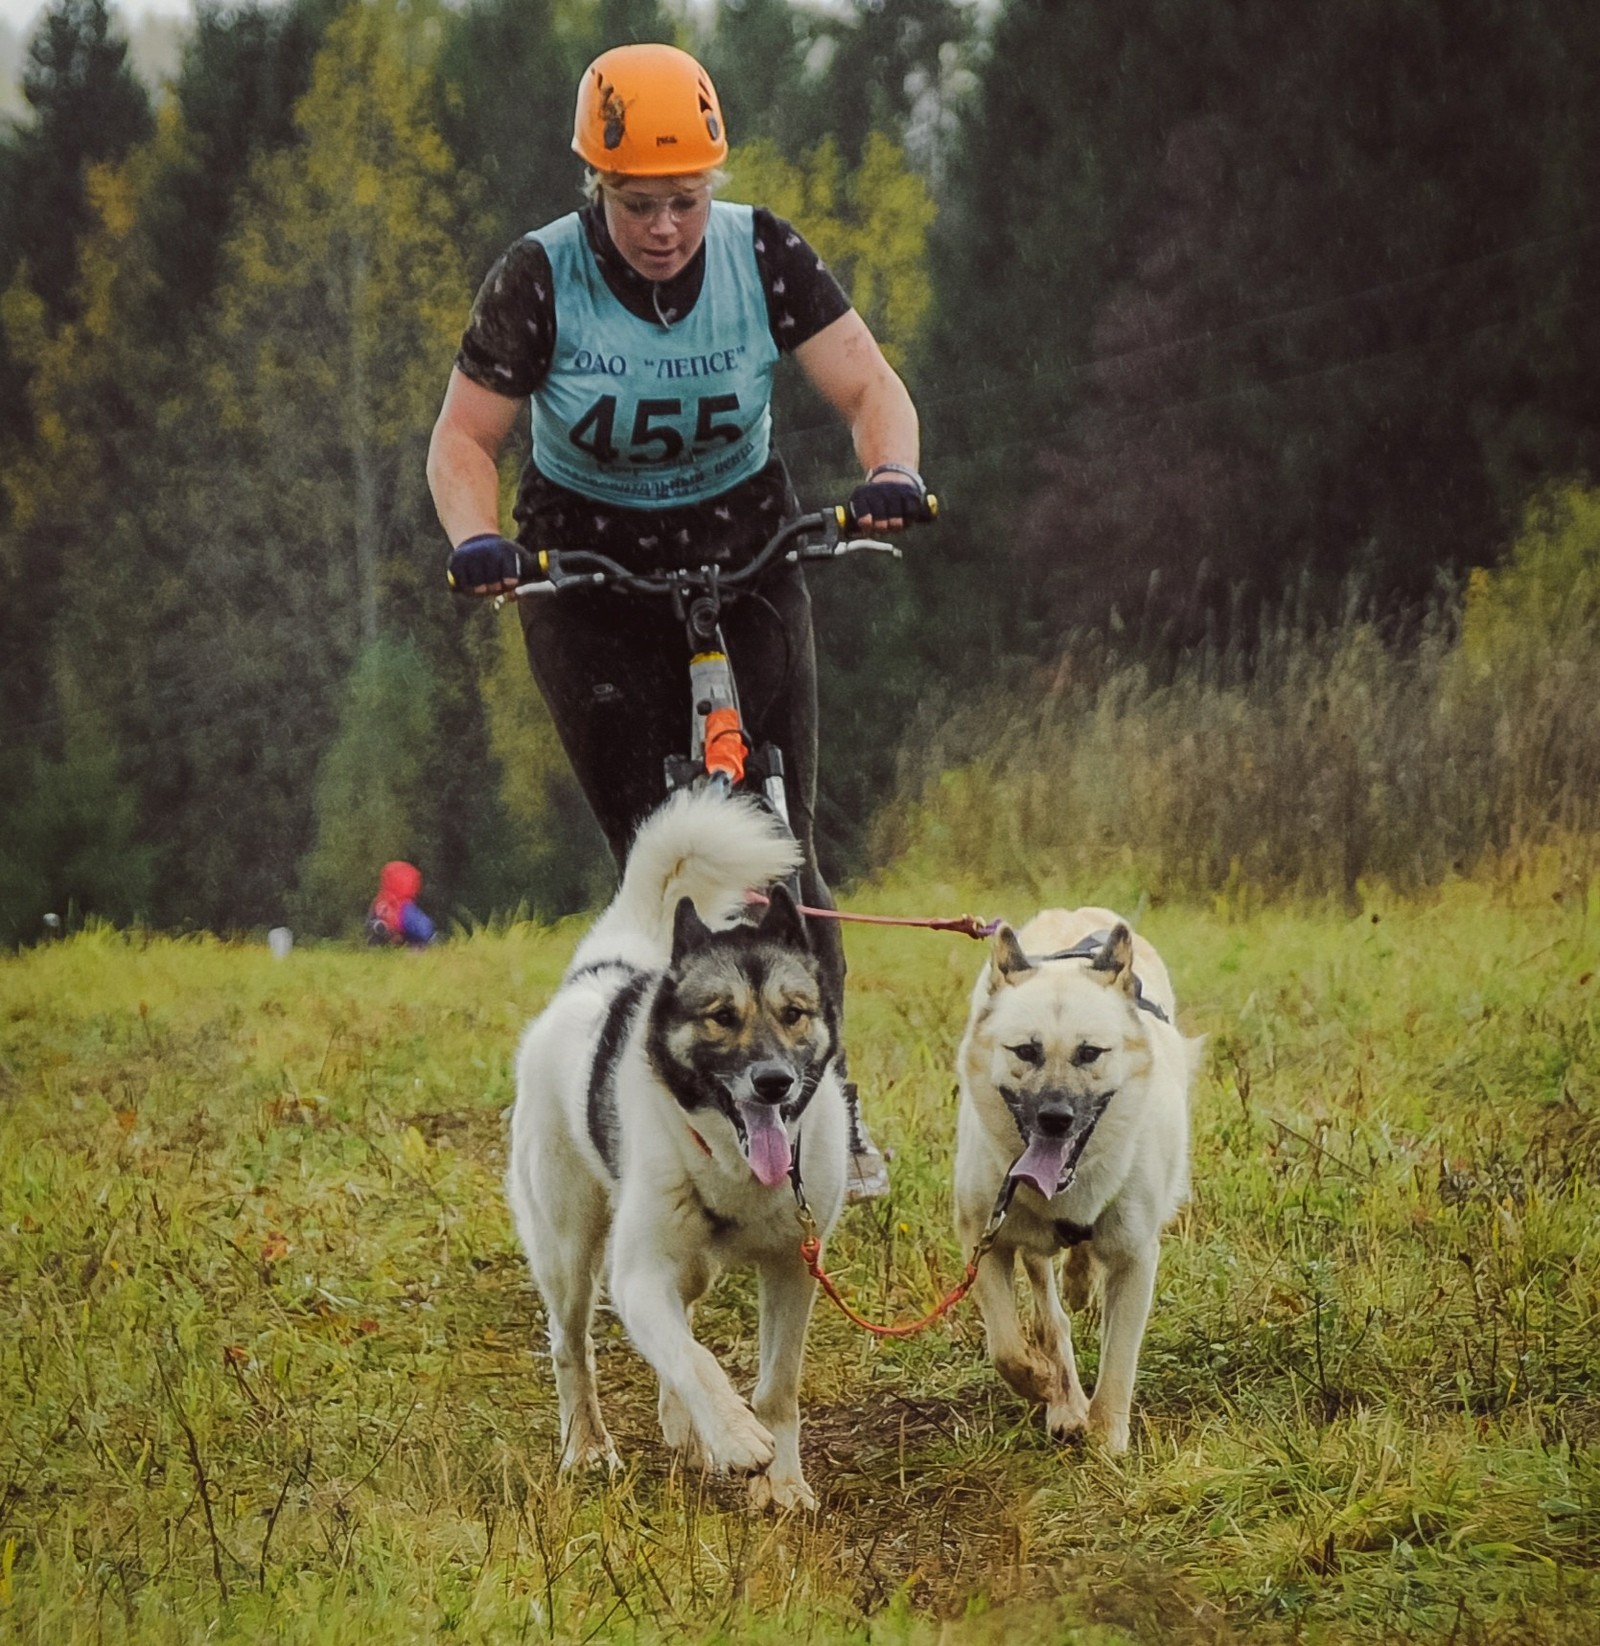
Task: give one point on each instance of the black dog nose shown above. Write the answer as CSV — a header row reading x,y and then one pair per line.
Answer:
x,y
1053,1122
772,1081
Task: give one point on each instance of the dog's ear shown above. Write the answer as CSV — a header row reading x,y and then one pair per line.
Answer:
x,y
1115,957
1007,962
783,921
689,931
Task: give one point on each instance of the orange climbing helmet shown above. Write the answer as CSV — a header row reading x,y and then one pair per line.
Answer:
x,y
648,111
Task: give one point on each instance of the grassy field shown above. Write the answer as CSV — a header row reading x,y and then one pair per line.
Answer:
x,y
272,1371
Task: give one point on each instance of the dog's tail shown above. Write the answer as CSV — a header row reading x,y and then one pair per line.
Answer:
x,y
707,847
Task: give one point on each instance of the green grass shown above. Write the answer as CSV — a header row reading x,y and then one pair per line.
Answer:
x,y
272,1371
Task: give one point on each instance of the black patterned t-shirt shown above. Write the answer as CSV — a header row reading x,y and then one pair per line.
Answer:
x,y
510,337
509,343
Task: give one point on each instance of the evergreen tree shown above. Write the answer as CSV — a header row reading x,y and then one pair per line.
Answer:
x,y
506,85
86,107
629,22
1286,276
798,76
98,487
870,225
885,55
304,517
71,844
30,564
244,69
371,796
756,55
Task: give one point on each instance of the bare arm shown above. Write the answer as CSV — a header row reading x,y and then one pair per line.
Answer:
x,y
462,457
847,368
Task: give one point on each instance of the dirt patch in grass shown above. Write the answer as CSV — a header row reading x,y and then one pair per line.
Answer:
x,y
923,1506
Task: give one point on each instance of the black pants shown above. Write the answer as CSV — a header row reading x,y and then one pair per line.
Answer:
x,y
614,672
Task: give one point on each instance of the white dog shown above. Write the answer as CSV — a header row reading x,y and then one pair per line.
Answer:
x,y
679,1078
1074,1100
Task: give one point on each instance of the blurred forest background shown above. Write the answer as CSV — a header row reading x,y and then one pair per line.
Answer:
x,y
1258,354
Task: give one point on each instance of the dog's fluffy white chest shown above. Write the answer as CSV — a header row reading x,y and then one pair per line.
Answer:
x,y
688,1167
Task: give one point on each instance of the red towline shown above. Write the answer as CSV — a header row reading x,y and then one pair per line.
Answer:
x,y
811,1255
969,925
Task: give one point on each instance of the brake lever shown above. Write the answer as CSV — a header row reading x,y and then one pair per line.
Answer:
x,y
544,586
848,545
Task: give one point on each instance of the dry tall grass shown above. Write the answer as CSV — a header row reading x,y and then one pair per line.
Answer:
x,y
1321,756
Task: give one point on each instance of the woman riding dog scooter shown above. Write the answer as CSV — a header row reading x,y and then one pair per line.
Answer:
x,y
645,329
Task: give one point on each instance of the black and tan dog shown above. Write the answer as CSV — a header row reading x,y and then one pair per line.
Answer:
x,y
680,1076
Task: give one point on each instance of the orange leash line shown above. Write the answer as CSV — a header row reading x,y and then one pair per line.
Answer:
x,y
969,925
811,1256
811,1252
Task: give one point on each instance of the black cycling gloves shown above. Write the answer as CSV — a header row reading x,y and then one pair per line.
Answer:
x,y
485,561
890,492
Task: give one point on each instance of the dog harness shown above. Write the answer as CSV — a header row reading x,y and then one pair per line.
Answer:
x,y
1088,948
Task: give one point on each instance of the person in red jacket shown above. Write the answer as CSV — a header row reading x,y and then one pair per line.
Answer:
x,y
394,917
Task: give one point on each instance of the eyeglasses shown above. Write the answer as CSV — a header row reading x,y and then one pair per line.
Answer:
x,y
646,208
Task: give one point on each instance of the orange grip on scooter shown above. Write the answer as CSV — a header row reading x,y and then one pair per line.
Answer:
x,y
725,747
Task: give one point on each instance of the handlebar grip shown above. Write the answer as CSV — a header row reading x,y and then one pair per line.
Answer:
x,y
841,512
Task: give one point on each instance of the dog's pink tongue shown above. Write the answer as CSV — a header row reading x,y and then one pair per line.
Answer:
x,y
1040,1164
766,1142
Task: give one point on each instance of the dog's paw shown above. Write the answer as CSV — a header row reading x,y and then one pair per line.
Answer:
x,y
741,1445
1067,1420
591,1454
1032,1376
769,1491
1108,1429
677,1430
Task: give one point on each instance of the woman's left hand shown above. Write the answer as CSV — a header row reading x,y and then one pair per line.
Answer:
x,y
888,504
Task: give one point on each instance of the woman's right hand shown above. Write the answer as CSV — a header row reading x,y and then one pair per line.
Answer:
x,y
486,564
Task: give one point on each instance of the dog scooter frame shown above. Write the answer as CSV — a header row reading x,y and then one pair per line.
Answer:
x,y
720,755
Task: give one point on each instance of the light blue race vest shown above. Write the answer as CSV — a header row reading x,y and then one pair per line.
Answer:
x,y
636,413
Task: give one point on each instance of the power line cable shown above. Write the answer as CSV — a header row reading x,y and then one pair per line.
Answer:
x,y
1075,370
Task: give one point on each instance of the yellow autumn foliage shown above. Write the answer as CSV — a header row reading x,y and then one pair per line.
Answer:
x,y
1546,595
870,225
